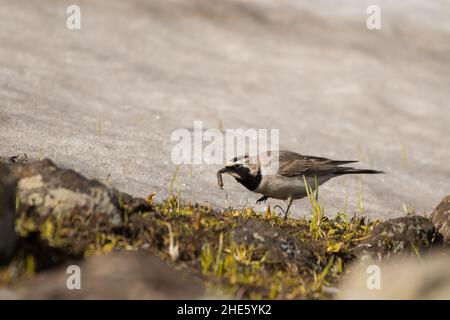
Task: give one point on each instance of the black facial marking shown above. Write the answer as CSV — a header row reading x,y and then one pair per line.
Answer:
x,y
251,182
248,180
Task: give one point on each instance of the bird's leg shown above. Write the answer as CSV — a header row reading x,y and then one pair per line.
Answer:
x,y
289,200
288,207
262,199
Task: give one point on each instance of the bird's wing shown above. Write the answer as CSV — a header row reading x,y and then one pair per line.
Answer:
x,y
286,156
306,167
291,164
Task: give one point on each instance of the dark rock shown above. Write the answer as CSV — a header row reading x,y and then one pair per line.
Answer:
x,y
281,246
45,189
406,235
124,275
441,218
131,204
7,214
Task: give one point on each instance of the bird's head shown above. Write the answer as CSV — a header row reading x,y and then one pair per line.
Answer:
x,y
240,168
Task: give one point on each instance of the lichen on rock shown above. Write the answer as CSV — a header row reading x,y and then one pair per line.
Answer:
x,y
406,235
45,189
441,218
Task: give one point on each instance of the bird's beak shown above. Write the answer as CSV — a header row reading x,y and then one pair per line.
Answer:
x,y
230,164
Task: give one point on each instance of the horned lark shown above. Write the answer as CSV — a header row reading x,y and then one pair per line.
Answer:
x,y
282,175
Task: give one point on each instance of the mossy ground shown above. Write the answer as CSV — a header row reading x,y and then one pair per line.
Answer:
x,y
199,240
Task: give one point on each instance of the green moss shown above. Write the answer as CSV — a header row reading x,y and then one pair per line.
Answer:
x,y
199,240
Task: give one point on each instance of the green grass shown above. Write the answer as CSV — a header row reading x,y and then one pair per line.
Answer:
x,y
360,203
317,209
198,240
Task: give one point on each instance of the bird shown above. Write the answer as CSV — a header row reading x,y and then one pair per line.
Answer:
x,y
282,174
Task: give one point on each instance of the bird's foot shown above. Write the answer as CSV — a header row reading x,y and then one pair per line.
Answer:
x,y
261,200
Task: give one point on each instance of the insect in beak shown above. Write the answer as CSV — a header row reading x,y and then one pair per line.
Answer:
x,y
219,176
229,168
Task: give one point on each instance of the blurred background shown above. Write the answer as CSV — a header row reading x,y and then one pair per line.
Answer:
x,y
105,99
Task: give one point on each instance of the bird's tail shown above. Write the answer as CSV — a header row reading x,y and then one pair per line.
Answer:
x,y
348,170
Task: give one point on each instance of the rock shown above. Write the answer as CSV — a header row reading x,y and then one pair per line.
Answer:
x,y
406,235
441,218
7,214
45,189
7,294
131,204
282,247
124,275
400,278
